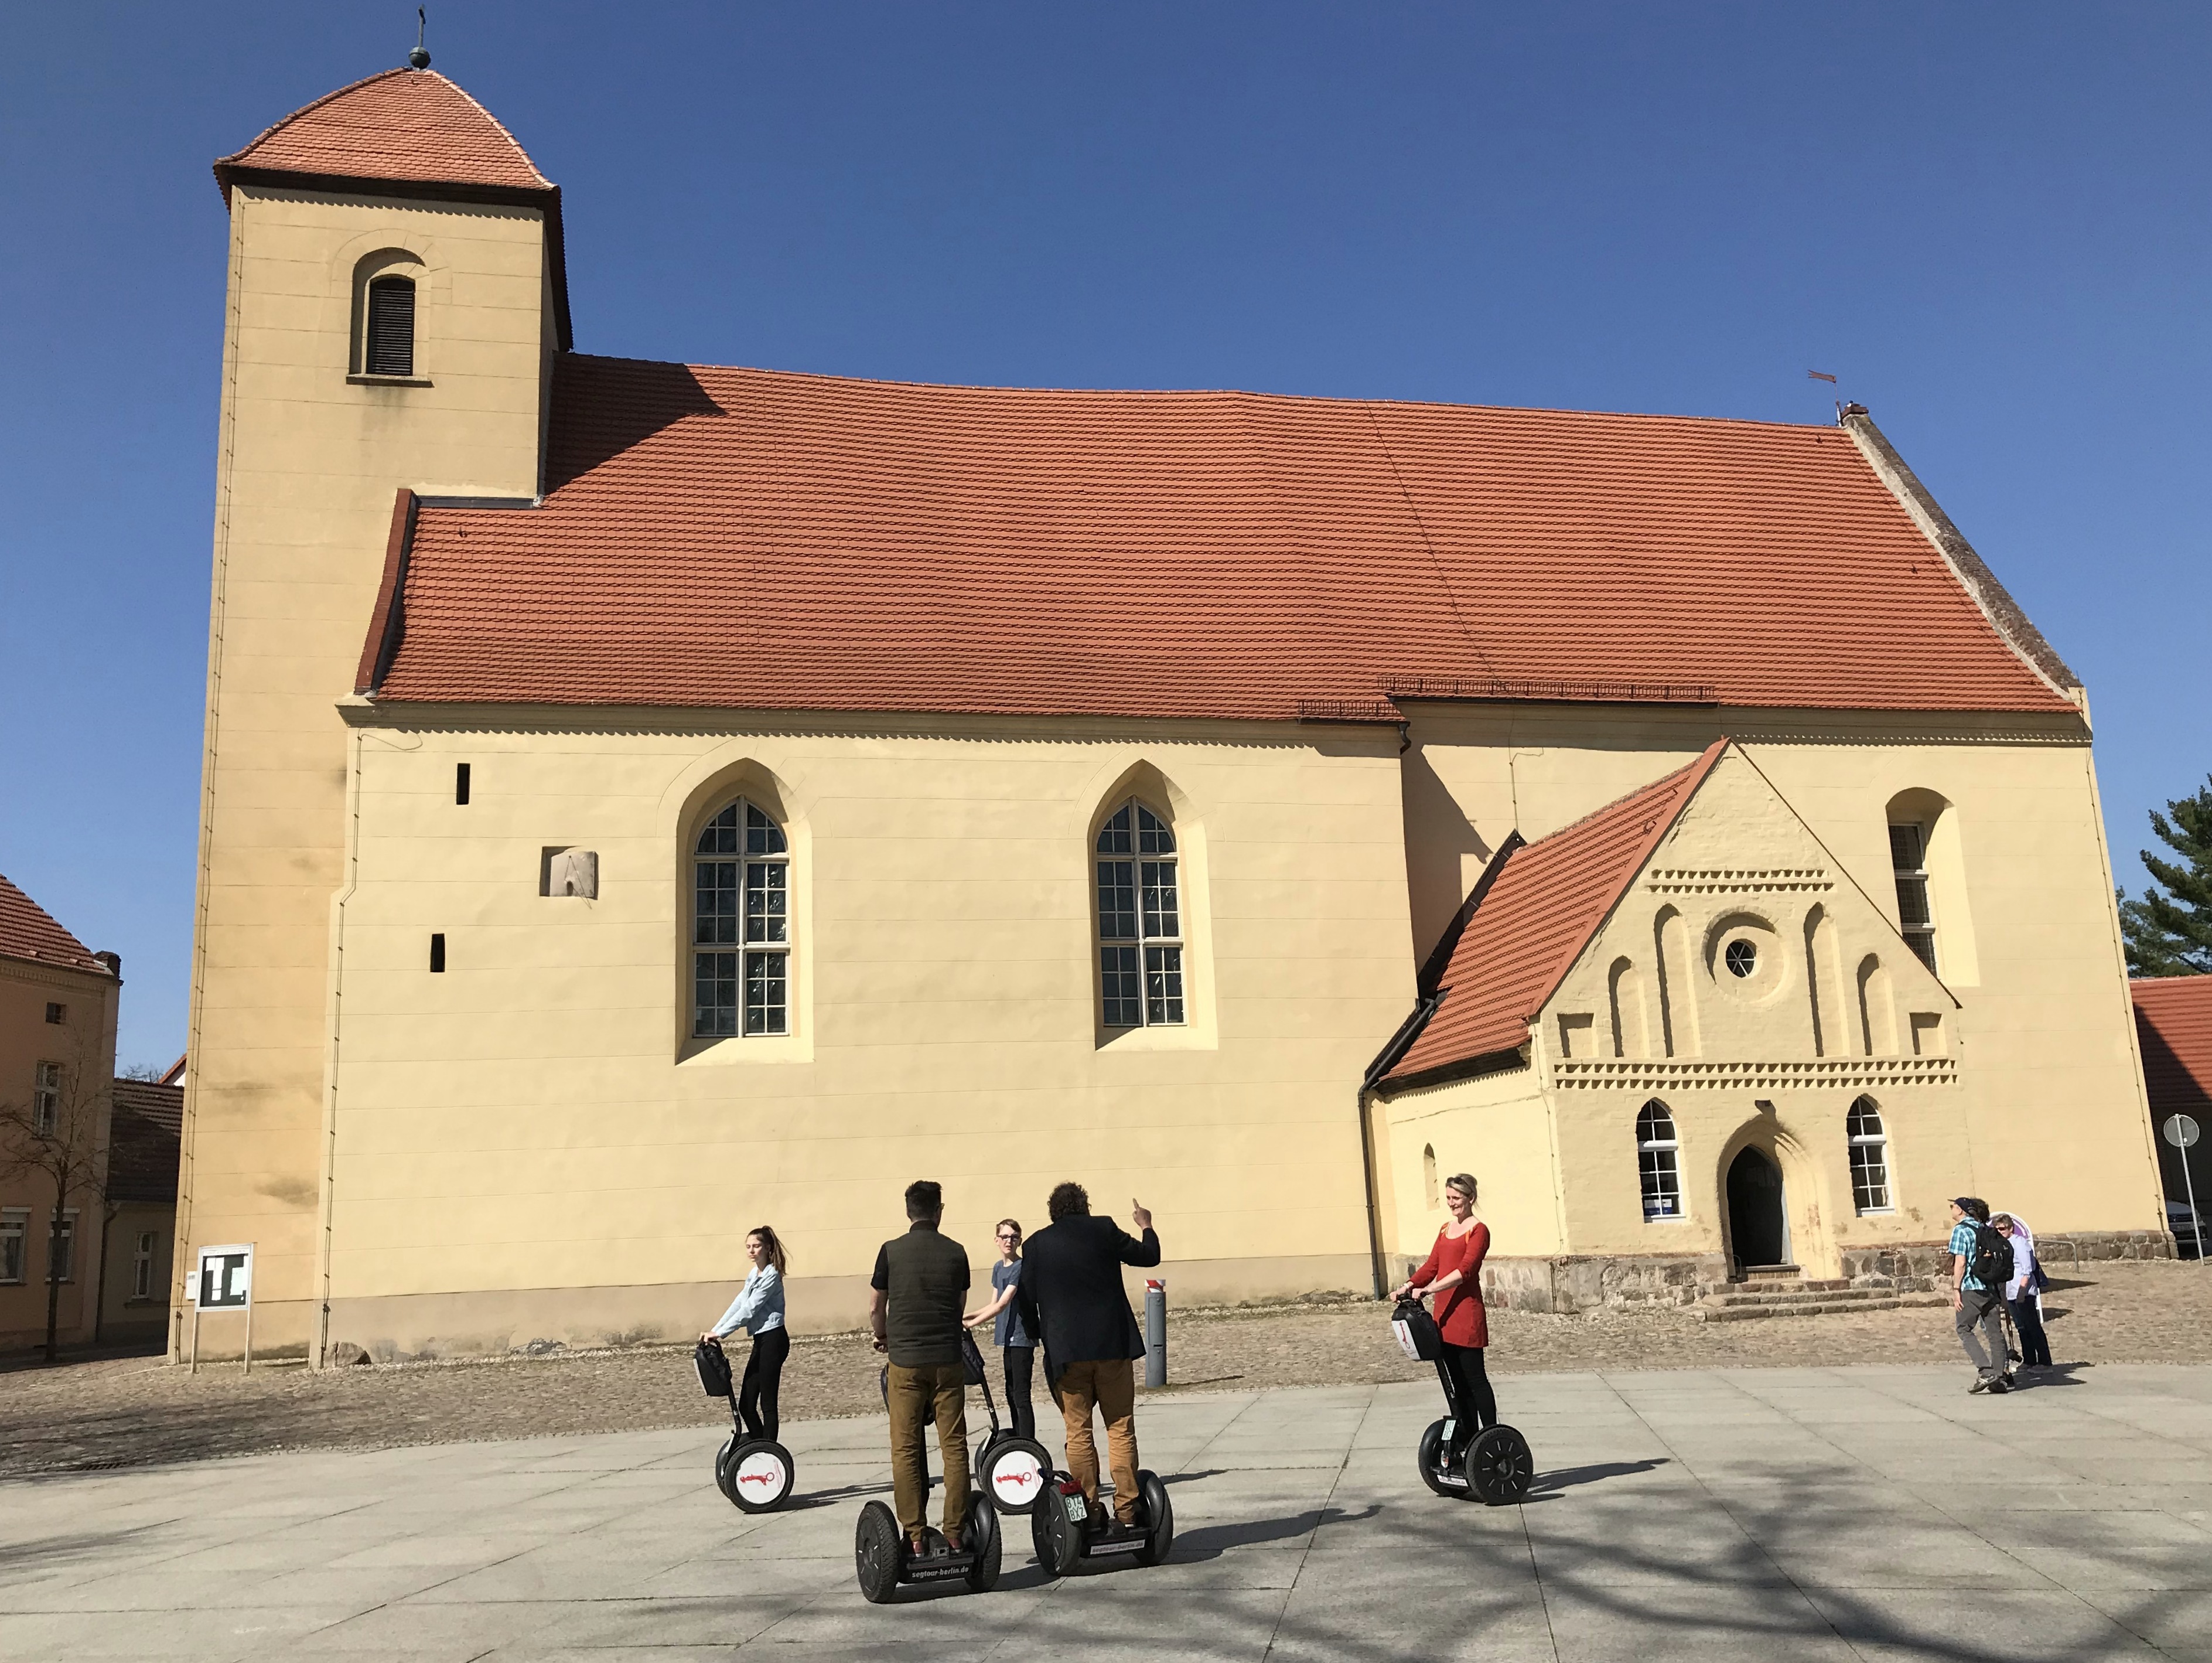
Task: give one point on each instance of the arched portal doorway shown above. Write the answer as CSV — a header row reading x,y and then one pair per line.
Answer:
x,y
1759,1230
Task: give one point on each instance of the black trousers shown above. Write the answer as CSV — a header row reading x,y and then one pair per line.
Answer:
x,y
763,1375
1467,1389
1020,1360
2034,1345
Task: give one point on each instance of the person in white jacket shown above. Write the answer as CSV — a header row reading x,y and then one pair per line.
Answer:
x,y
758,1309
2020,1296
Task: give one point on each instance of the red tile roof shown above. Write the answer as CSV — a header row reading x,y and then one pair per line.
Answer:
x,y
28,930
408,125
1535,916
2174,1020
739,538
145,1133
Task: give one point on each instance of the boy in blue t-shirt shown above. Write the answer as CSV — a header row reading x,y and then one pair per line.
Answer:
x,y
1020,1347
1974,1304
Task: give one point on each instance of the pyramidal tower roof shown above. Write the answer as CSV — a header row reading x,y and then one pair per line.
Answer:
x,y
405,126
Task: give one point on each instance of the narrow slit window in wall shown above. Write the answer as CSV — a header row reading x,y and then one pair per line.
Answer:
x,y
461,784
1139,921
1908,855
388,340
437,955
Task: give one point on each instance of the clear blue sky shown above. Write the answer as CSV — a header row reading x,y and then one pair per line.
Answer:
x,y
1991,222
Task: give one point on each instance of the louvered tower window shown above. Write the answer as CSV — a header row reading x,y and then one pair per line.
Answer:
x,y
1908,857
388,343
1139,921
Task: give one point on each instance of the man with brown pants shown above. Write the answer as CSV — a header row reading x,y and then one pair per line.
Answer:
x,y
920,1291
1071,1298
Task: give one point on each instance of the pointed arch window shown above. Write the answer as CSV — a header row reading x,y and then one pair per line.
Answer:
x,y
1869,1141
1658,1161
1140,973
741,925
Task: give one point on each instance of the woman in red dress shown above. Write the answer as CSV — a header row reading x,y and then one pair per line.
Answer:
x,y
1453,1276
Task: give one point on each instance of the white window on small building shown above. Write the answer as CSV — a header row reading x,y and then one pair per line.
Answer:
x,y
1658,1161
1869,1148
14,1228
1908,856
741,926
45,1098
1139,921
61,1248
142,1265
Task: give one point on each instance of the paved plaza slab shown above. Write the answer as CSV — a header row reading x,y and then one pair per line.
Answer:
x,y
1813,1514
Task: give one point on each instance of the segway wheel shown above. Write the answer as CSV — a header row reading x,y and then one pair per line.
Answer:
x,y
1431,1459
1159,1519
1499,1466
724,1480
983,1535
762,1473
878,1548
1016,1472
1057,1539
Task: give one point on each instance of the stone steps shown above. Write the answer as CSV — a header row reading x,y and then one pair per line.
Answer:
x,y
1811,1299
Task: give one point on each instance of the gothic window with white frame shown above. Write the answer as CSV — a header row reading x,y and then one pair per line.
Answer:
x,y
1658,1164
1141,942
1869,1141
741,926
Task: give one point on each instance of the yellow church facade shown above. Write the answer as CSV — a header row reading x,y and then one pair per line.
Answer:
x,y
648,800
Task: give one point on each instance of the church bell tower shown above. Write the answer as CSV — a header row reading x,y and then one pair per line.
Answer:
x,y
395,302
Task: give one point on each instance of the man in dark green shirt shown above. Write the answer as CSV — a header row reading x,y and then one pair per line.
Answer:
x,y
920,1291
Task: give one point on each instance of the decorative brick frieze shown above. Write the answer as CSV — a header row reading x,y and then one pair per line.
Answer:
x,y
1693,880
1817,1074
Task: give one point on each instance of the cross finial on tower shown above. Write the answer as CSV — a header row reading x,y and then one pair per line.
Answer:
x,y
420,57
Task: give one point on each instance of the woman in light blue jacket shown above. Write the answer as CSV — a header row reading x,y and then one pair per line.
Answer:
x,y
758,1309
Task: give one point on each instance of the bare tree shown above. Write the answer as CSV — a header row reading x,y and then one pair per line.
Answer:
x,y
58,1134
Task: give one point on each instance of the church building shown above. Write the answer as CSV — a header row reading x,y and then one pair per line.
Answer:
x,y
644,801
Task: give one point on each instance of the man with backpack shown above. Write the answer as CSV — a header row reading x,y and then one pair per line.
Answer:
x,y
1981,1265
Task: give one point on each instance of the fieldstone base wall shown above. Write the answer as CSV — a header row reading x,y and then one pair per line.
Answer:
x,y
1925,1261
1582,1283
1576,1283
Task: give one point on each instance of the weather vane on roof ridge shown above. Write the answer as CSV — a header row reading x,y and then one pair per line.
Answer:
x,y
420,57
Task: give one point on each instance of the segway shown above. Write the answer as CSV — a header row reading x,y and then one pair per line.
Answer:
x,y
1016,1471
1067,1533
756,1474
884,1558
1498,1468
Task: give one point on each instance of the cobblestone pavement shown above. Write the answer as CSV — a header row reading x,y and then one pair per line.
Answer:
x,y
130,1411
1737,1515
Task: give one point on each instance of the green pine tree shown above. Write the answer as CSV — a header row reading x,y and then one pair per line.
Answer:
x,y
2170,934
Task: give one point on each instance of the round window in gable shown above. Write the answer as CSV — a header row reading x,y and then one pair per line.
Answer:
x,y
1741,958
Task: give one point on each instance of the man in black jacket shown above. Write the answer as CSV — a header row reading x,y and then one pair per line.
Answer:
x,y
1071,1298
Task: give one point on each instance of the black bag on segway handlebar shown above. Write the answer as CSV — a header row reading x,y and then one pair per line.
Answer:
x,y
713,1369
1417,1331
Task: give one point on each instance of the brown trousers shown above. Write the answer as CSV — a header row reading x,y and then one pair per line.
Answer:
x,y
1110,1386
936,1392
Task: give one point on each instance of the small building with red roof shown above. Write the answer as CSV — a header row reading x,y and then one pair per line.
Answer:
x,y
2173,1027
644,798
58,1009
